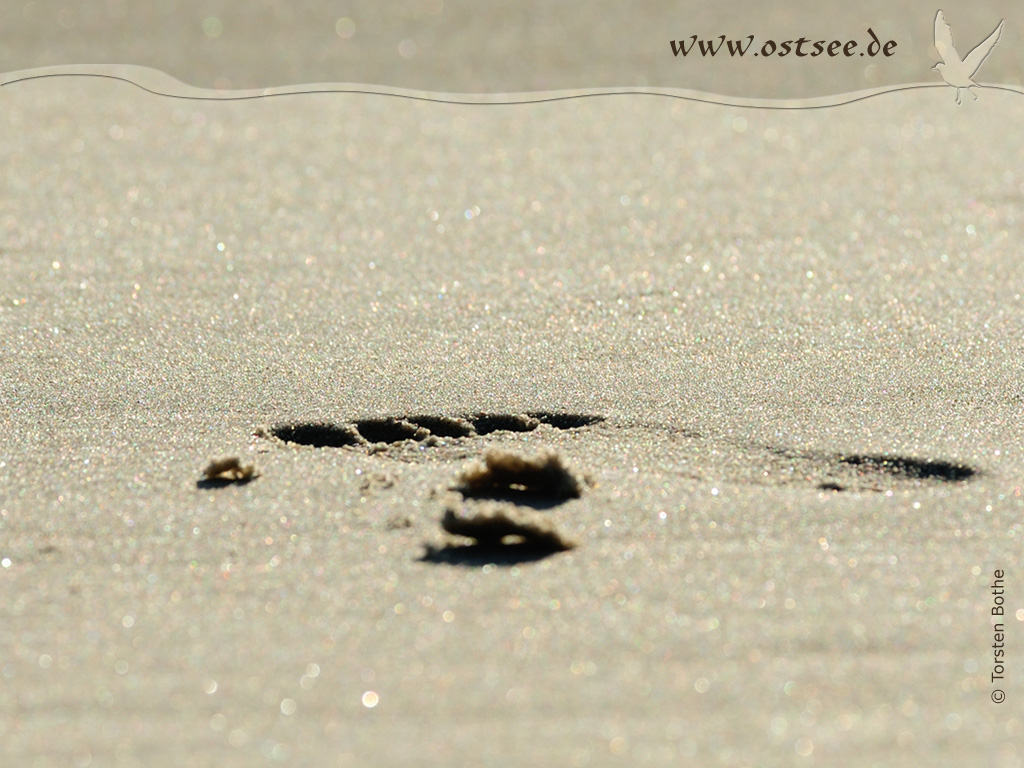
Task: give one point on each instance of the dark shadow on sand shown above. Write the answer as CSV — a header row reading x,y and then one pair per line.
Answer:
x,y
871,472
208,485
478,555
542,502
395,429
566,420
317,435
912,469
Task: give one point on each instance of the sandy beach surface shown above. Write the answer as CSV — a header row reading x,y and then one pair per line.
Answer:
x,y
785,348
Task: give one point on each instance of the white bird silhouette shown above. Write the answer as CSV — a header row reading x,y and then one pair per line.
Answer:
x,y
955,71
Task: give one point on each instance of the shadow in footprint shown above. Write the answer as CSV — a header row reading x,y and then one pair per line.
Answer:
x,y
396,429
442,426
911,469
857,473
566,420
318,435
211,484
476,555
485,423
542,502
388,430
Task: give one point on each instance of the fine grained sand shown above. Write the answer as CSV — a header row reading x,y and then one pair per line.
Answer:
x,y
803,330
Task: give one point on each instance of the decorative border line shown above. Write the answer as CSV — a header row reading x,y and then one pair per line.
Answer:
x,y
159,83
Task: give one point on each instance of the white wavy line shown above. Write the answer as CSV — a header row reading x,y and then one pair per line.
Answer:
x,y
157,82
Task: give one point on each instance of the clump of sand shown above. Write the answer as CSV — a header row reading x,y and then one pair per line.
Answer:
x,y
503,471
229,469
497,524
492,526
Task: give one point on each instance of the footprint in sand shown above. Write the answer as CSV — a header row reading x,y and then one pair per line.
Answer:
x,y
704,457
502,501
380,432
858,472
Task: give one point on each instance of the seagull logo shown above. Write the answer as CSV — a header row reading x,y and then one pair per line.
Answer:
x,y
955,71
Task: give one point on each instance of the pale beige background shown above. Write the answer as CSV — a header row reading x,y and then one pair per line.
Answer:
x,y
474,47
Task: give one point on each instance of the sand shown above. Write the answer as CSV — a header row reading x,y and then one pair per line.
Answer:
x,y
784,345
